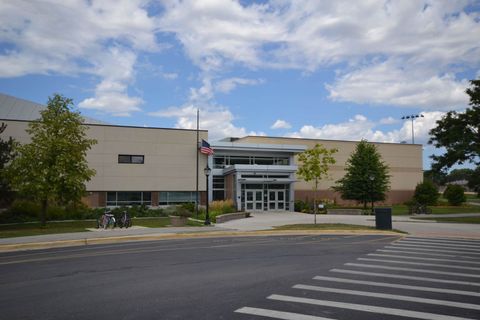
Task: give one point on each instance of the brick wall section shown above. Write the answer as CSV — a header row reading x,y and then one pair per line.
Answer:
x,y
393,197
229,181
155,198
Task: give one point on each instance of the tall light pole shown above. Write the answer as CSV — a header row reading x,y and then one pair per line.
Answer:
x,y
207,171
412,117
372,179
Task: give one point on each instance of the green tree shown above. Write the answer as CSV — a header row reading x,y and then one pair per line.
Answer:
x,y
455,194
459,174
437,177
53,168
314,166
366,178
7,154
474,181
426,193
459,134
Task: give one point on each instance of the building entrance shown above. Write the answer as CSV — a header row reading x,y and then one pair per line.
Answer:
x,y
276,200
254,200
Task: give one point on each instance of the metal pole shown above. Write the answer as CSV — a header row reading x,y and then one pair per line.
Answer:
x,y
196,169
207,217
413,134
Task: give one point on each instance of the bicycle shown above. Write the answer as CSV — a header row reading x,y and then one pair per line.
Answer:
x,y
124,220
106,220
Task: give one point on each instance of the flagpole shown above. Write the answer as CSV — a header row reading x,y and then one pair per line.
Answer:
x,y
196,149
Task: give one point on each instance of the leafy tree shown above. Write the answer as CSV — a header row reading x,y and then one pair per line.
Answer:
x,y
426,193
455,194
436,177
459,134
474,181
366,179
53,167
315,163
459,174
7,154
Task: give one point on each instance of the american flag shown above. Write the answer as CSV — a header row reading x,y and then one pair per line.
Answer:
x,y
205,148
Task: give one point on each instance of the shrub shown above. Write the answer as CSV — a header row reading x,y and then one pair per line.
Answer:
x,y
222,206
190,206
455,194
426,193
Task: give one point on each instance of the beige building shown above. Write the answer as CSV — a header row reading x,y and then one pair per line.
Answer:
x,y
157,166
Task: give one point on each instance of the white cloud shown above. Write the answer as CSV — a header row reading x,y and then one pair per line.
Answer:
x,y
414,50
388,120
71,37
281,124
217,120
227,85
390,83
359,127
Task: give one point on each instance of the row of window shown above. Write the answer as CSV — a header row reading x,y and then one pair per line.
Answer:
x,y
220,161
129,198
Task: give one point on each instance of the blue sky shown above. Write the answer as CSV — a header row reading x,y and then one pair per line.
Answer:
x,y
314,69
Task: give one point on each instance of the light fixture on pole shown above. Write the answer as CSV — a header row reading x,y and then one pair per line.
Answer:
x,y
207,172
372,179
412,117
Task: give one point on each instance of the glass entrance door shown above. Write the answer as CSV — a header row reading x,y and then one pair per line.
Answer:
x,y
276,200
254,200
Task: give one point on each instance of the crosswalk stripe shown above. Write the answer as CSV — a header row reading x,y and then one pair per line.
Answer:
x,y
278,314
453,240
420,258
366,308
403,247
438,243
398,286
421,264
398,276
430,246
413,270
390,296
426,253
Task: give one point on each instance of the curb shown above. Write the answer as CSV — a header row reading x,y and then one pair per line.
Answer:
x,y
169,236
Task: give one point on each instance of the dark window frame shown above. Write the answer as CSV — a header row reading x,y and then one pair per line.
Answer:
x,y
129,158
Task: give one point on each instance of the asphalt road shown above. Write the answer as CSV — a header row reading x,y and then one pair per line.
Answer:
x,y
247,278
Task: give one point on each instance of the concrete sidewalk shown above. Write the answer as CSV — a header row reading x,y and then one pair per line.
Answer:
x,y
250,226
416,227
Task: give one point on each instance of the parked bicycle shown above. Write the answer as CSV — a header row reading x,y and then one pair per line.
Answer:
x,y
124,220
106,220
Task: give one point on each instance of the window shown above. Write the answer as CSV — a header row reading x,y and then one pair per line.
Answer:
x,y
176,197
218,188
127,158
128,198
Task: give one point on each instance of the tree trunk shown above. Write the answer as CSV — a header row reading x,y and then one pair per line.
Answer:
x,y
43,213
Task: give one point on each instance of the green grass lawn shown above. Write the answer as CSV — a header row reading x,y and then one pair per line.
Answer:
x,y
52,227
457,220
34,229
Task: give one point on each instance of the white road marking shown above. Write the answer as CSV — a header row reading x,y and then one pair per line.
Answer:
x,y
398,286
427,253
402,247
413,270
390,296
397,276
435,247
366,308
453,240
439,244
278,314
421,264
420,258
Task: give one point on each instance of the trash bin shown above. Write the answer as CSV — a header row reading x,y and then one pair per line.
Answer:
x,y
383,218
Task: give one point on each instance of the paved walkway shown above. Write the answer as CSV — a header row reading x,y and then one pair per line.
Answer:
x,y
415,227
258,221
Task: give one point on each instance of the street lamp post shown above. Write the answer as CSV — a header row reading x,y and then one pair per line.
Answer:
x,y
412,117
372,179
207,171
